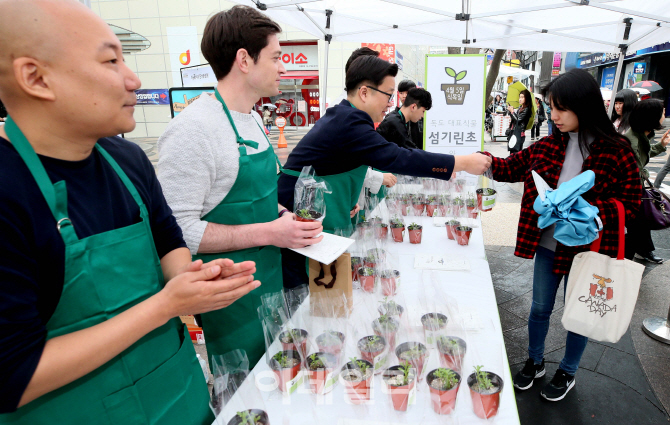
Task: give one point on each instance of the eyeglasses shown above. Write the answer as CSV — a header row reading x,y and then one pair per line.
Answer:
x,y
390,95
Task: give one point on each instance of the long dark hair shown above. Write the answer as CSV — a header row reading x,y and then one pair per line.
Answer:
x,y
629,99
527,99
646,116
578,92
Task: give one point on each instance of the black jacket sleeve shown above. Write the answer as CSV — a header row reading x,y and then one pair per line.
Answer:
x,y
394,131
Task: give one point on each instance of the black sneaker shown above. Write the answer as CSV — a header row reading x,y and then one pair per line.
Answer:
x,y
559,386
651,257
524,378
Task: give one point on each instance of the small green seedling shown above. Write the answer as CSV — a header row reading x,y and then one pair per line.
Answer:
x,y
371,342
304,213
457,77
447,376
316,362
360,365
281,359
414,226
483,381
247,417
406,368
367,271
397,223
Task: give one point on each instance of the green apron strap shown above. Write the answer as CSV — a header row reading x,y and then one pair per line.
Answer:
x,y
240,141
122,175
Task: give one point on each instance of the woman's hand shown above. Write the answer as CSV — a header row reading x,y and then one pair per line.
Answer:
x,y
510,108
665,139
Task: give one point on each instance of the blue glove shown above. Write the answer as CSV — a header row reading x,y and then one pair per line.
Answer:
x,y
575,218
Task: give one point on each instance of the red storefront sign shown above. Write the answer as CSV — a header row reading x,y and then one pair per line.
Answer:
x,y
386,51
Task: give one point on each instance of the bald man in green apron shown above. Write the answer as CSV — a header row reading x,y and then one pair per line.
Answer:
x,y
89,329
219,173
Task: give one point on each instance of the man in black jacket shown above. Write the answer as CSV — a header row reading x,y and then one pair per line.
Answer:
x,y
396,126
415,128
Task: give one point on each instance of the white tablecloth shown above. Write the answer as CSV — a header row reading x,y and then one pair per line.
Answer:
x,y
474,303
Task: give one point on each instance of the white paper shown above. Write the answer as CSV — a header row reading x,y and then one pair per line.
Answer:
x,y
326,251
540,184
440,262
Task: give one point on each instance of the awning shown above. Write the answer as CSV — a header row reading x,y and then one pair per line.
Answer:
x,y
300,75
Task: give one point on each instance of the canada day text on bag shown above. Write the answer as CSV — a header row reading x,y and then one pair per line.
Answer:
x,y
602,291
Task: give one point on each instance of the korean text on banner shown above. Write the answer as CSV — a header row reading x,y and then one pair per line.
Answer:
x,y
454,125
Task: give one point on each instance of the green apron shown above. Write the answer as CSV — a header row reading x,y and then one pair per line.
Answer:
x,y
252,199
158,379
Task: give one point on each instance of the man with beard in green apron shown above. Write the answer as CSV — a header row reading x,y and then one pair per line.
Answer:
x,y
88,326
219,172
342,145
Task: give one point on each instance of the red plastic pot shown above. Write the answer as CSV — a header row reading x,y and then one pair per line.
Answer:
x,y
480,199
325,345
444,401
285,375
381,232
457,210
368,355
450,230
486,405
451,360
367,282
430,209
300,347
415,235
418,208
472,212
399,394
356,263
389,285
358,391
386,332
443,210
404,208
462,234
317,378
396,233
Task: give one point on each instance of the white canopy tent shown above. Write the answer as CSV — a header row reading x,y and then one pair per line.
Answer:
x,y
542,25
510,71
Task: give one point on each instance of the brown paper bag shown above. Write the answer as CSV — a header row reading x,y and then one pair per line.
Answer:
x,y
327,295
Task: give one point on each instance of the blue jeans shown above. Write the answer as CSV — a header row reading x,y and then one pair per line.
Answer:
x,y
545,286
550,127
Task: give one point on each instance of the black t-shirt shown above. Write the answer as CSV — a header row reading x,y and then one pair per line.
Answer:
x,y
32,252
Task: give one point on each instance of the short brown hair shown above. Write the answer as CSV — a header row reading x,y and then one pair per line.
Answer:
x,y
241,27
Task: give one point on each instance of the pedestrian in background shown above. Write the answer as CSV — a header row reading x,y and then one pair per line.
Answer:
x,y
267,118
646,116
520,119
584,140
550,122
624,102
539,119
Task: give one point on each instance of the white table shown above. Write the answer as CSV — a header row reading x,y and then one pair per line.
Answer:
x,y
474,305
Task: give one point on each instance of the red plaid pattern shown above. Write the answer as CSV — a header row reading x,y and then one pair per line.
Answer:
x,y
617,177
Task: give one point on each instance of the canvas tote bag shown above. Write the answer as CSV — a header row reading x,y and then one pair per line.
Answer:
x,y
602,291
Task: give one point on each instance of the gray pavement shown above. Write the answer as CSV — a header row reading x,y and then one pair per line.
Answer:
x,y
626,382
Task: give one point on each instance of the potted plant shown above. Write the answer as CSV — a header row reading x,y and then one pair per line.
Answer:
x,y
371,346
418,204
250,417
433,322
308,215
285,365
452,349
388,280
390,308
319,365
471,205
413,352
400,380
443,384
331,342
415,231
362,227
457,203
451,225
357,375
443,204
431,205
387,327
294,339
404,204
397,229
462,234
356,263
454,94
485,388
486,199
381,230
366,277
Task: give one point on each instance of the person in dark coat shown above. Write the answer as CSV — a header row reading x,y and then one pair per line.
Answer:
x,y
520,119
395,127
415,128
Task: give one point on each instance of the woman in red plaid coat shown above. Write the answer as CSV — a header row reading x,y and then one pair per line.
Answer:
x,y
585,140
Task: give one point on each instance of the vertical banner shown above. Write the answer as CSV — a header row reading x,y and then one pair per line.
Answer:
x,y
455,123
184,50
386,51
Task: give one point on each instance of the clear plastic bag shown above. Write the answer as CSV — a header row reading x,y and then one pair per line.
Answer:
x,y
309,196
486,192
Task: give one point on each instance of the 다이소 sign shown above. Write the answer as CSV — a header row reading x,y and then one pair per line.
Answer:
x,y
454,125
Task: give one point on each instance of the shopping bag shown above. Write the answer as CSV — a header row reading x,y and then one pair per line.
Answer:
x,y
331,284
602,291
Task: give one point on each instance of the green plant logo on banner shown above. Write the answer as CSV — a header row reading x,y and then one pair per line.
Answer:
x,y
454,94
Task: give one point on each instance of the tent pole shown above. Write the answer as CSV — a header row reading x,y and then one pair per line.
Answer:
x,y
323,99
617,77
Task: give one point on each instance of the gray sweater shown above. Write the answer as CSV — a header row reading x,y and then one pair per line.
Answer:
x,y
199,161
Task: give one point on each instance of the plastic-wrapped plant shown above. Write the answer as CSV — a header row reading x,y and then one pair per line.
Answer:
x,y
458,201
361,365
304,213
282,359
414,226
447,379
246,417
366,271
431,199
397,223
483,381
316,361
471,202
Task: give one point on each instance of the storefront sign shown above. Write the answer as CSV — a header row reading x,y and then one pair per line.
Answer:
x,y
608,78
296,57
152,97
398,59
183,48
555,72
640,68
557,60
454,125
198,76
386,51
